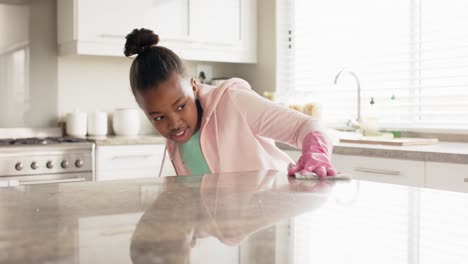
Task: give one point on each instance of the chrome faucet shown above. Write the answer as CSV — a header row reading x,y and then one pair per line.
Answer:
x,y
351,123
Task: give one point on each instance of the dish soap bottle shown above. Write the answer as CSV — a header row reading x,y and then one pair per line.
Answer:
x,y
371,123
395,117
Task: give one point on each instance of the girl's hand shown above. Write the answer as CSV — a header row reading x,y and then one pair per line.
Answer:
x,y
315,156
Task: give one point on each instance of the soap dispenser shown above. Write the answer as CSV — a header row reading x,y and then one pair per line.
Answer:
x,y
395,117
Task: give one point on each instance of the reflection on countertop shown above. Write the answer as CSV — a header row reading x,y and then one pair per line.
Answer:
x,y
250,217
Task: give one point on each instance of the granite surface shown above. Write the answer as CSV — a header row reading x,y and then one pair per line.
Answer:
x,y
134,140
255,217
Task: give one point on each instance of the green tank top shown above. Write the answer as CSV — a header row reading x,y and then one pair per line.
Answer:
x,y
192,156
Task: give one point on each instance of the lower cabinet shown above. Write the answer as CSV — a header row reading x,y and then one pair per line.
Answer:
x,y
394,171
117,162
436,175
447,176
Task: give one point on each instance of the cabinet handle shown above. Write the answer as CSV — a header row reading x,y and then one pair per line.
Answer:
x,y
132,157
387,172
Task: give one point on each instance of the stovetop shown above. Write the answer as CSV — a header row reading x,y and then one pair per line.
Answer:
x,y
40,141
45,156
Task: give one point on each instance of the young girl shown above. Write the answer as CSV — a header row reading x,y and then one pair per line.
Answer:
x,y
210,129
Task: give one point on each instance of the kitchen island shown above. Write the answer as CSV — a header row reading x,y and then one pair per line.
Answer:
x,y
250,217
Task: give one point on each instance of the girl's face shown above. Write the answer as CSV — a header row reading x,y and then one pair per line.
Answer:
x,y
171,108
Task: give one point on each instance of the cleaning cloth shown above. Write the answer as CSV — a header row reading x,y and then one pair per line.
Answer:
x,y
306,175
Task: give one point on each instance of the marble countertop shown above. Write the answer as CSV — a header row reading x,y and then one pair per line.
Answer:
x,y
452,152
255,217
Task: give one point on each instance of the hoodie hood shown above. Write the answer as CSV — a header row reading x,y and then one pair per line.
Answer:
x,y
209,96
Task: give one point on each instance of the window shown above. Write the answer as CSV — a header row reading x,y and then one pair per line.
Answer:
x,y
411,57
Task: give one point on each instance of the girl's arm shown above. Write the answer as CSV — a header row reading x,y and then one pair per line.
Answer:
x,y
271,120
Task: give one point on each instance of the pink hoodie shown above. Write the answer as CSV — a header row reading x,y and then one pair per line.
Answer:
x,y
239,129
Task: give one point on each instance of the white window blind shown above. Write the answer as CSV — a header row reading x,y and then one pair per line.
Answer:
x,y
415,51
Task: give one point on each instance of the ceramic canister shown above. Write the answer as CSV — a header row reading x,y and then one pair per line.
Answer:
x,y
76,124
126,122
97,123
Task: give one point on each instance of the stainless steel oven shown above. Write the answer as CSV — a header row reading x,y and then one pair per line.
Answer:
x,y
46,160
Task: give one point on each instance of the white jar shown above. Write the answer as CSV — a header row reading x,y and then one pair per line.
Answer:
x,y
126,122
76,124
97,123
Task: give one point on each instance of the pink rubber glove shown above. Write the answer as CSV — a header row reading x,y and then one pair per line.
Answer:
x,y
315,156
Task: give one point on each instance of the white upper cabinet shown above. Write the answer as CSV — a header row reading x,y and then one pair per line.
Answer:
x,y
216,21
205,30
169,19
88,27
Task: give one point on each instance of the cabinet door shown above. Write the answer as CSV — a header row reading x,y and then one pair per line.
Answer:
x,y
108,20
202,30
447,176
215,21
404,172
169,19
128,161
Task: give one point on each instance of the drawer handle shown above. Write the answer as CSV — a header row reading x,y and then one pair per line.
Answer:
x,y
132,157
387,172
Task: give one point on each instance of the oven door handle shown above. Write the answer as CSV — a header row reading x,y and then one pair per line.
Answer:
x,y
52,181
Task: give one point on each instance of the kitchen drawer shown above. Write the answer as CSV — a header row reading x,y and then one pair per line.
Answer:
x,y
98,234
131,162
110,158
395,171
447,176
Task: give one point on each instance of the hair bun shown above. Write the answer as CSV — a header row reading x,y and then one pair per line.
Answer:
x,y
140,40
